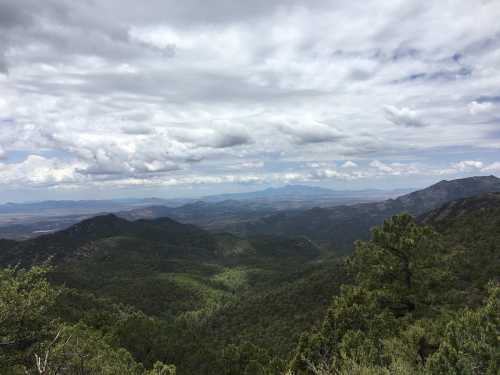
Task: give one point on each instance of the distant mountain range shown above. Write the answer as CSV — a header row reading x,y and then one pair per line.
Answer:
x,y
334,227
332,218
340,226
272,285
304,192
60,207
24,220
284,193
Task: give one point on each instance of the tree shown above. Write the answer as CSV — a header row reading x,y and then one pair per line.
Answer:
x,y
471,344
77,349
34,340
398,275
406,263
254,368
26,299
160,368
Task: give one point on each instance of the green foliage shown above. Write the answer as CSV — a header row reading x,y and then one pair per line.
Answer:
x,y
245,359
33,338
407,302
160,368
80,350
406,264
400,315
26,298
471,343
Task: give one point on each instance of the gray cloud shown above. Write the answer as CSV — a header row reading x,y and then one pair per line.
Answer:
x,y
222,140
404,116
310,132
3,64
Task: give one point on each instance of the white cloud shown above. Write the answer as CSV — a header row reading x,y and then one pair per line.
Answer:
x,y
310,132
349,164
381,166
403,116
492,168
246,165
177,90
466,165
37,170
476,107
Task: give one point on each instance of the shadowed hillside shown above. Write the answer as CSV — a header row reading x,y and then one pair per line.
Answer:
x,y
341,226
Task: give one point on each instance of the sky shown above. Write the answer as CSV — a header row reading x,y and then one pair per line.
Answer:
x,y
123,98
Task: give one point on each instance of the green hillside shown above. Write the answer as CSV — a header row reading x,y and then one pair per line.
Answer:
x,y
419,297
425,299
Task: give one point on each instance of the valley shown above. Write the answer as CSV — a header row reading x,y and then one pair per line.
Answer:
x,y
208,301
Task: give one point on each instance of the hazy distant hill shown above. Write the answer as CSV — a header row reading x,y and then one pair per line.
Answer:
x,y
304,192
215,212
60,207
342,225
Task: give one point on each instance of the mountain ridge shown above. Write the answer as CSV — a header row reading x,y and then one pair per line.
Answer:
x,y
340,226
63,245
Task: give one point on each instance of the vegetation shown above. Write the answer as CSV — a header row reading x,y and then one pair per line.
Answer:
x,y
34,340
415,299
405,311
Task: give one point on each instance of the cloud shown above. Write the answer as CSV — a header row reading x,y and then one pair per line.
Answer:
x,y
246,165
310,132
221,136
403,116
381,166
466,165
137,129
492,168
39,171
399,169
476,107
349,164
3,63
176,91
223,140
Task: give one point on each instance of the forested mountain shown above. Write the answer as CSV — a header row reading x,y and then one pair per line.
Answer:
x,y
213,212
340,226
421,301
209,215
160,297
76,241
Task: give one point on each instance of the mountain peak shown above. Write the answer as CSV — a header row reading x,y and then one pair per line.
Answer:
x,y
469,180
444,191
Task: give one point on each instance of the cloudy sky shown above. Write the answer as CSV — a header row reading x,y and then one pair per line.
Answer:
x,y
114,98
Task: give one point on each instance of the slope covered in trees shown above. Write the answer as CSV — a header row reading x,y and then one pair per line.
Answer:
x,y
338,227
419,297
421,300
